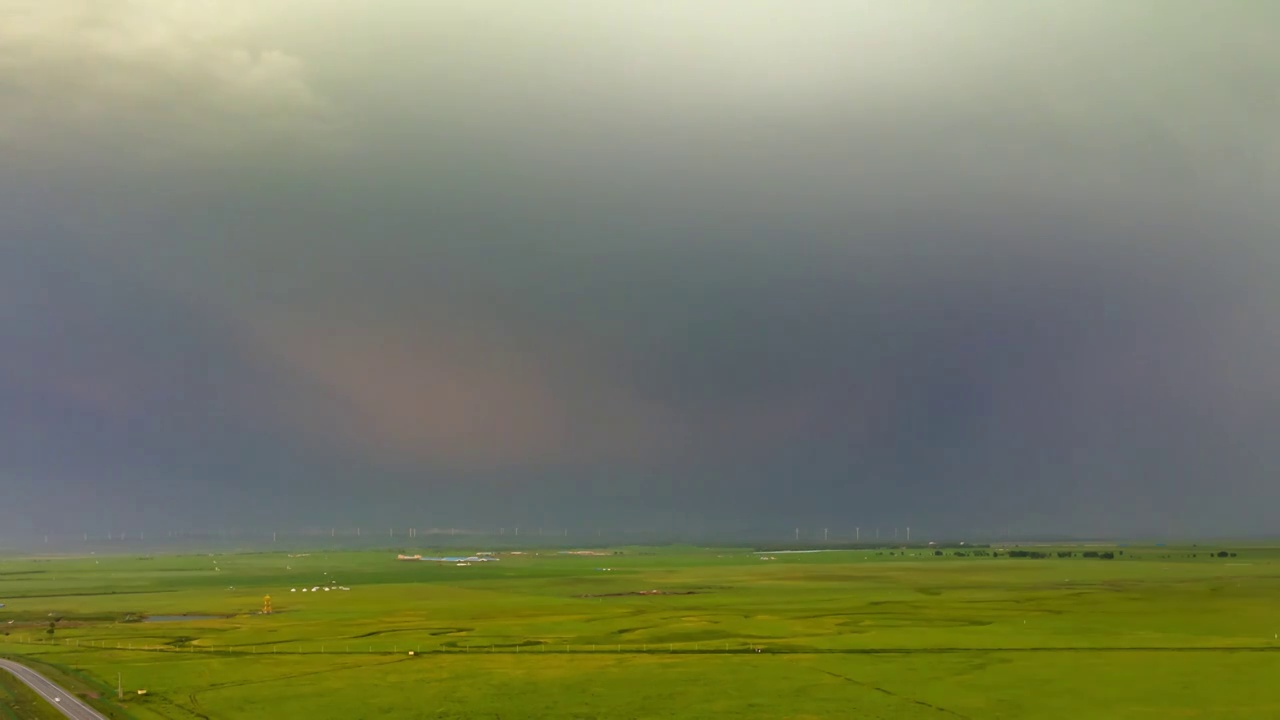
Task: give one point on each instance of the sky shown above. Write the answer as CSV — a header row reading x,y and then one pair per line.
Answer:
x,y
665,265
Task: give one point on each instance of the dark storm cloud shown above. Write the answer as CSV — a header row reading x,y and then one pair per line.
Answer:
x,y
973,263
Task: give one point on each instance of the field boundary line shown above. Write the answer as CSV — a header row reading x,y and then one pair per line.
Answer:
x,y
294,649
892,694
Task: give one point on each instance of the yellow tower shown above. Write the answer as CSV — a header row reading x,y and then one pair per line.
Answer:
x,y
266,605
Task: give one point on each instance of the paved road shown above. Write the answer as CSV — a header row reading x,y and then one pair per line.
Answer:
x,y
69,704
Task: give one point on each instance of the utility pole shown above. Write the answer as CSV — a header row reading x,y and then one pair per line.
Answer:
x,y
857,534
908,533
797,534
119,686
824,534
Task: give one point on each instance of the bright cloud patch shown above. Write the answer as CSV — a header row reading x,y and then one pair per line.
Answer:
x,y
163,73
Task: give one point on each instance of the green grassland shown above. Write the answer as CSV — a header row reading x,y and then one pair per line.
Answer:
x,y
1154,633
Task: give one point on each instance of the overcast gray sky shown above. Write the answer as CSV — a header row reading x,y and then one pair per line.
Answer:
x,y
721,263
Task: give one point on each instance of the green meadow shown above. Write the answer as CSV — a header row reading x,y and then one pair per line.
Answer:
x,y
1155,632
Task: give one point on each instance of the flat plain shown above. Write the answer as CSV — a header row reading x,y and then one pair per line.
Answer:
x,y
1154,632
